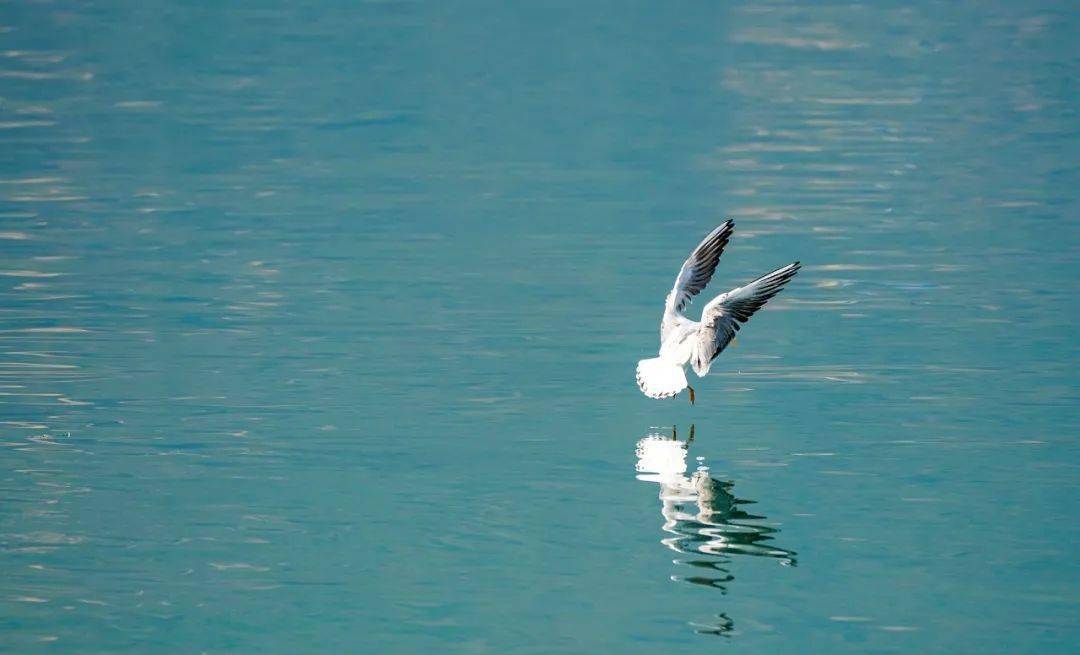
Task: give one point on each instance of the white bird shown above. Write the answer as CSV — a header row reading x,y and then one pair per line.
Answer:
x,y
683,341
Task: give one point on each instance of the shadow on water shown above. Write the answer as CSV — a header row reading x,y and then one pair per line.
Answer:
x,y
704,520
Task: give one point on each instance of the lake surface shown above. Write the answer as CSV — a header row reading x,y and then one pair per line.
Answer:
x,y
318,325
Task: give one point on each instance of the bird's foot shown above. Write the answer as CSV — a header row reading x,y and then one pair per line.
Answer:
x,y
691,394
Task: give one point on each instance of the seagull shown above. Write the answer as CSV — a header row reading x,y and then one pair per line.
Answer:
x,y
683,341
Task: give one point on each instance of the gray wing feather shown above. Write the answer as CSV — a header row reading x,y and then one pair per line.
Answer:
x,y
695,273
722,318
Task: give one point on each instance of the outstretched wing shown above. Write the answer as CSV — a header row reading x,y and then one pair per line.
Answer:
x,y
695,274
722,317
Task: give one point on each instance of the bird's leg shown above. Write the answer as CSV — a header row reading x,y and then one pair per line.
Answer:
x,y
691,439
691,394
674,432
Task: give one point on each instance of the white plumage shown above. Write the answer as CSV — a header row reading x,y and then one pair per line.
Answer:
x,y
697,343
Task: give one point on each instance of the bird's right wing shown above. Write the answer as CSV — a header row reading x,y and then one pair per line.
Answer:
x,y
695,273
723,316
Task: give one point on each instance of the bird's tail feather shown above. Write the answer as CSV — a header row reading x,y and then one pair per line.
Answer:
x,y
660,379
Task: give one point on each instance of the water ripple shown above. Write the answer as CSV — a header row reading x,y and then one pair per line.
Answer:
x,y
705,520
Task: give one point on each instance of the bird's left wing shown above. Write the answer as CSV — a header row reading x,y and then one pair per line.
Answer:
x,y
723,316
695,273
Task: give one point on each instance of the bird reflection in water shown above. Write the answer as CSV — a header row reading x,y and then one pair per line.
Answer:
x,y
706,522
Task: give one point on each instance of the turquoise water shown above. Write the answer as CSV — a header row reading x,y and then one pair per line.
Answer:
x,y
318,326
